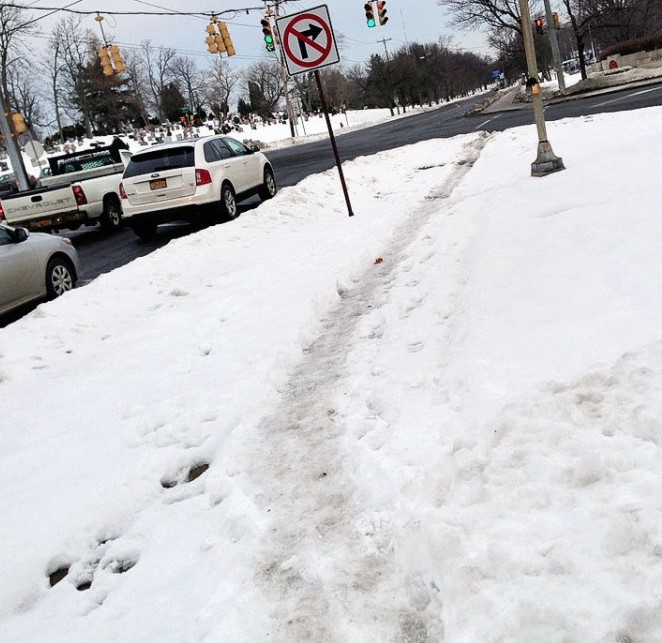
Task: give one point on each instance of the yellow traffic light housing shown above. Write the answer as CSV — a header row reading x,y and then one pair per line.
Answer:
x,y
106,64
19,123
556,21
227,41
118,61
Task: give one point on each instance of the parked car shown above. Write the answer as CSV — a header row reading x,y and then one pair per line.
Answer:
x,y
192,179
34,266
8,184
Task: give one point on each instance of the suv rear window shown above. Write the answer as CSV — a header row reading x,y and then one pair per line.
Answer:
x,y
159,160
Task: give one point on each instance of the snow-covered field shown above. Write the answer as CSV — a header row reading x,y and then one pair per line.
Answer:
x,y
436,420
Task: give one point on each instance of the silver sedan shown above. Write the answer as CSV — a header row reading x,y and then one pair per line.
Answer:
x,y
34,266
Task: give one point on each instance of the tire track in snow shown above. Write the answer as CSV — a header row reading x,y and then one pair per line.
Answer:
x,y
316,567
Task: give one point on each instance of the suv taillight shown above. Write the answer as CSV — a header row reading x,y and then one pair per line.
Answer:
x,y
2,213
122,191
81,199
202,177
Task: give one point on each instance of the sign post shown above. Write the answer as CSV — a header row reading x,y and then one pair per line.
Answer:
x,y
308,44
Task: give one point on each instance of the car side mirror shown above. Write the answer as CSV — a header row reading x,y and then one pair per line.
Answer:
x,y
253,147
20,234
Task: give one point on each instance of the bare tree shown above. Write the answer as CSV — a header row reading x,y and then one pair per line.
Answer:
x,y
137,75
221,81
24,94
158,67
265,82
189,79
77,50
53,66
14,27
490,15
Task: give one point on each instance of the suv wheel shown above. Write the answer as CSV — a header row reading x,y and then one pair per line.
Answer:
x,y
268,189
228,203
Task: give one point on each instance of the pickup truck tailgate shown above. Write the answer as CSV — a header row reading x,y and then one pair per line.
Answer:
x,y
43,207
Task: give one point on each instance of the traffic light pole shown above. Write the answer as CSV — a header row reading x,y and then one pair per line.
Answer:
x,y
554,41
546,162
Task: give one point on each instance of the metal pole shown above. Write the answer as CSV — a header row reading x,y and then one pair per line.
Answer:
x,y
554,41
288,106
546,161
13,150
318,80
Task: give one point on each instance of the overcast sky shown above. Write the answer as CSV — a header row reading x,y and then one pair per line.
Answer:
x,y
409,21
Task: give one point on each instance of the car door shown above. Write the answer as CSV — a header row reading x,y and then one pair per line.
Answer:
x,y
251,175
223,164
20,277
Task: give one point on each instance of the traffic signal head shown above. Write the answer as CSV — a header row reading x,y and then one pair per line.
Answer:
x,y
369,14
269,44
227,41
118,61
19,123
556,21
540,26
211,44
106,65
381,12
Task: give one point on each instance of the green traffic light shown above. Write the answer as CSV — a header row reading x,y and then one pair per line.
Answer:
x,y
371,22
268,39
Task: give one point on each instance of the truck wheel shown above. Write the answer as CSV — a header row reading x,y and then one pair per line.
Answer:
x,y
144,230
111,219
60,277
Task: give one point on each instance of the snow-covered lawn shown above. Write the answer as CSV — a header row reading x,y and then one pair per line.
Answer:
x,y
436,420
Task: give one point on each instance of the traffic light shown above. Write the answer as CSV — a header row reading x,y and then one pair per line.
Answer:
x,y
211,40
19,123
219,42
556,21
227,41
269,44
381,12
540,26
369,14
118,61
106,65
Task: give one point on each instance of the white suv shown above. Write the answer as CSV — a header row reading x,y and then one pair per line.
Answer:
x,y
190,179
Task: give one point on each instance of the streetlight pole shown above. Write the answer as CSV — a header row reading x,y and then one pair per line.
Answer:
x,y
546,162
554,41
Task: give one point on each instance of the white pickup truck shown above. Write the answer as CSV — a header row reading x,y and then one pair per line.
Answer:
x,y
82,190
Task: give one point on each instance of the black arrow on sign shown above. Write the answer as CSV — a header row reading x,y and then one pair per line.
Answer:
x,y
312,32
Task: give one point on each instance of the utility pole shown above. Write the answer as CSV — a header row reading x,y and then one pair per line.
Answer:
x,y
390,79
554,41
286,84
13,150
546,162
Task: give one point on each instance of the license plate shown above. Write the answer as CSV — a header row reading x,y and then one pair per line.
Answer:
x,y
157,184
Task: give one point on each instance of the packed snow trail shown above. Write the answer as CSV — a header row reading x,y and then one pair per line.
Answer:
x,y
332,576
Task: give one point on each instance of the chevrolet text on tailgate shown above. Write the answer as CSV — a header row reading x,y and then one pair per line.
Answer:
x,y
84,190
